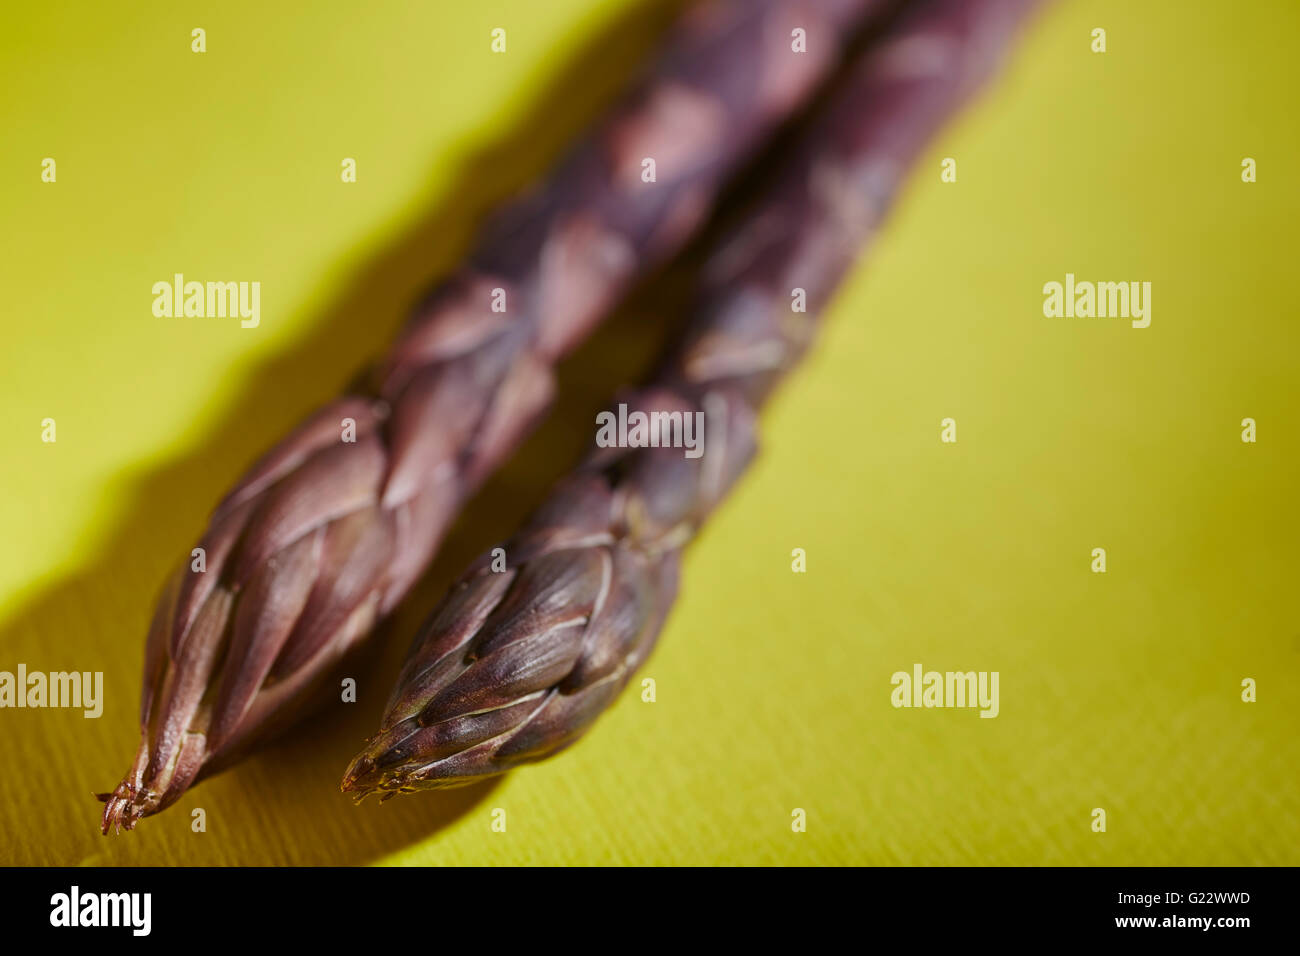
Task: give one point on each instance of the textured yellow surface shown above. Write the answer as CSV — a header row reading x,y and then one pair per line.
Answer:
x,y
1118,690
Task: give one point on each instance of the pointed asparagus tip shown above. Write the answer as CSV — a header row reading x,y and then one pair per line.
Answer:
x,y
122,808
360,777
364,776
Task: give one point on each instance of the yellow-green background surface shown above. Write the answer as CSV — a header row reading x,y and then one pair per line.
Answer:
x,y
1118,690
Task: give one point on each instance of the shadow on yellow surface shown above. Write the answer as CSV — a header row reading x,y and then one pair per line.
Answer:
x,y
283,805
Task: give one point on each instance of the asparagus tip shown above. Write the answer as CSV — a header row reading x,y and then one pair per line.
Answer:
x,y
364,776
122,808
361,778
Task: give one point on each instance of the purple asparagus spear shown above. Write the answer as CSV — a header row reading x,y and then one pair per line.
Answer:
x,y
331,528
515,665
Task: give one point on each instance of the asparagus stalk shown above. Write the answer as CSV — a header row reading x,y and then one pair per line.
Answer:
x,y
331,528
515,665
